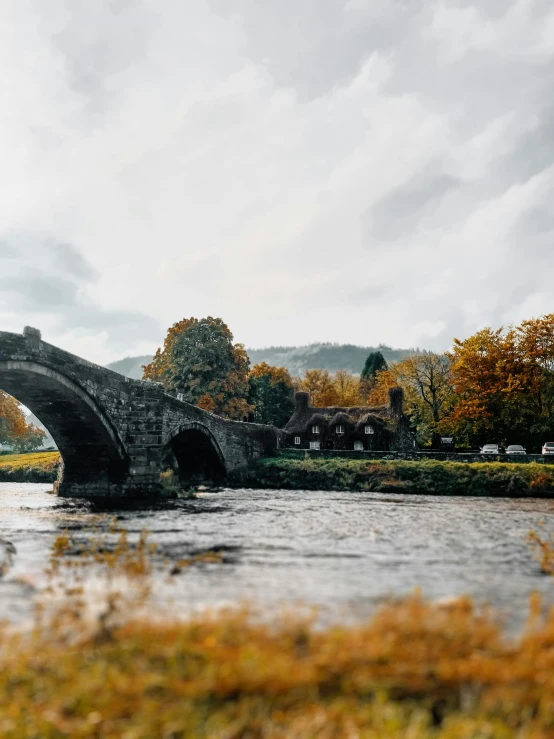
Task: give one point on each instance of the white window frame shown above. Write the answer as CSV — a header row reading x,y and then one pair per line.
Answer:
x,y
315,429
339,429
358,446
369,429
315,445
297,440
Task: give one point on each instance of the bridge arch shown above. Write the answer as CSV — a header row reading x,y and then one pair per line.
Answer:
x,y
196,452
90,447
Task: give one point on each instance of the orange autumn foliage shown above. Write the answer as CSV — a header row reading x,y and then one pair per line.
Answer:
x,y
414,669
326,390
13,424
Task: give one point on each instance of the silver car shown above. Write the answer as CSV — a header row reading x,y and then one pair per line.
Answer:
x,y
515,449
490,449
548,447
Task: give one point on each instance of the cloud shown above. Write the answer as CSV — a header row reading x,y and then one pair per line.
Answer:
x,y
345,170
399,211
46,282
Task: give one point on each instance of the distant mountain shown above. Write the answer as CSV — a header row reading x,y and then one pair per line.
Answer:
x,y
130,366
297,359
332,357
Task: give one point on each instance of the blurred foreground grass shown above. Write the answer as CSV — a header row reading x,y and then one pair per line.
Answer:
x,y
417,669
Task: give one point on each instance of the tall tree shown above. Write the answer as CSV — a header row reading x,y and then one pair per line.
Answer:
x,y
485,377
428,393
504,381
200,362
374,363
271,394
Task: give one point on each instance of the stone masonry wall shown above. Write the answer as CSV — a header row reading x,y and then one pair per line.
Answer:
x,y
111,430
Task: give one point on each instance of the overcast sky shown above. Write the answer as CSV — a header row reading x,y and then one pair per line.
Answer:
x,y
357,171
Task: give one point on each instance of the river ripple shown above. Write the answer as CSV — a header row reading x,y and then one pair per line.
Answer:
x,y
343,551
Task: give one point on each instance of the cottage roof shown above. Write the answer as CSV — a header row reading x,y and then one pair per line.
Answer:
x,y
341,418
318,419
306,415
370,419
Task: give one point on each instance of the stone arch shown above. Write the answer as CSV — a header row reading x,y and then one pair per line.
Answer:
x,y
196,453
90,447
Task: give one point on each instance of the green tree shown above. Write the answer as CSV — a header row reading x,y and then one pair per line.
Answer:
x,y
200,363
271,393
373,364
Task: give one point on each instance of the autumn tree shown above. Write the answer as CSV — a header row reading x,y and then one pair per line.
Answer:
x,y
429,396
271,393
484,370
428,393
504,382
31,440
200,363
12,419
326,390
533,383
347,388
319,385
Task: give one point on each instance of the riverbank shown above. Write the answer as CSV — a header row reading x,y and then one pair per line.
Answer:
x,y
33,467
496,479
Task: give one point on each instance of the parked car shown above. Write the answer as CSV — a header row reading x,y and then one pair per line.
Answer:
x,y
515,449
548,447
490,449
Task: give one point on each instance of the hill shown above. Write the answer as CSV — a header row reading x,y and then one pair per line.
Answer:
x,y
297,359
332,357
130,366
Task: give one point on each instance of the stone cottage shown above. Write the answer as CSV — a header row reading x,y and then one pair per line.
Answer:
x,y
382,428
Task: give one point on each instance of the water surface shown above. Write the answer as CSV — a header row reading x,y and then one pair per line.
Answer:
x,y
343,551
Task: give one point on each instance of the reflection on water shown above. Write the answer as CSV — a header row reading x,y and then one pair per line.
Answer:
x,y
345,551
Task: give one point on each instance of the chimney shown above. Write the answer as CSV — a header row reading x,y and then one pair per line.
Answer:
x,y
302,400
396,402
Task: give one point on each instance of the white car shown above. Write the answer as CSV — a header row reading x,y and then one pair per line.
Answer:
x,y
515,449
548,447
490,449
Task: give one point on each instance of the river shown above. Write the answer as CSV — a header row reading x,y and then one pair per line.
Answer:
x,y
343,551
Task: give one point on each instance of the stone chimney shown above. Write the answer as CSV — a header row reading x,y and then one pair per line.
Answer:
x,y
396,402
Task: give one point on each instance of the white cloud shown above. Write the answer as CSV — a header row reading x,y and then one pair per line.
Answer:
x,y
355,172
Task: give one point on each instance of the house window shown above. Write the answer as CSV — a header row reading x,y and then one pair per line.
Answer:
x,y
369,430
297,440
315,445
315,429
358,446
339,429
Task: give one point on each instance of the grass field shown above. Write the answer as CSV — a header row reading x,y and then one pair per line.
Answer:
x,y
390,476
33,467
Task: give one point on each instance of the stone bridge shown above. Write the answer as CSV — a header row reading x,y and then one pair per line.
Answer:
x,y
116,435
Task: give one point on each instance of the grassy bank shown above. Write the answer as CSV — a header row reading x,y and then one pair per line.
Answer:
x,y
416,669
425,476
34,467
